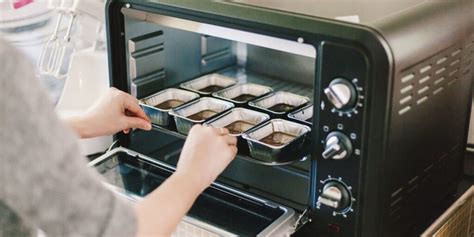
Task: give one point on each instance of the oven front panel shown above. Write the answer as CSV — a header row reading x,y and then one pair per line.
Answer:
x,y
341,155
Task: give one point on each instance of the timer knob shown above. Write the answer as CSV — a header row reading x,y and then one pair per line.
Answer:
x,y
338,146
341,93
335,195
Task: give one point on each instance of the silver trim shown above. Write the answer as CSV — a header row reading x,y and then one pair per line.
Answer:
x,y
282,226
284,45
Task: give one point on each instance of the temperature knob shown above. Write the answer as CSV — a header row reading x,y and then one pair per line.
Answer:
x,y
341,93
335,195
338,146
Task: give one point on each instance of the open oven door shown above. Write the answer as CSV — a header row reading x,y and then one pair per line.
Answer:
x,y
218,211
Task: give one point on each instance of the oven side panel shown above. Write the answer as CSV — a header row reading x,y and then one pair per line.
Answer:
x,y
428,132
430,111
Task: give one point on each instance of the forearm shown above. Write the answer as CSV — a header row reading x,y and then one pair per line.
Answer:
x,y
43,178
162,210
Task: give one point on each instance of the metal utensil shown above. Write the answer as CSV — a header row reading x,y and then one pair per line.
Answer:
x,y
56,55
49,54
66,52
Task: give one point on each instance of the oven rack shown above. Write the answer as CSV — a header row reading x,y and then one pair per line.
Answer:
x,y
243,75
304,153
277,84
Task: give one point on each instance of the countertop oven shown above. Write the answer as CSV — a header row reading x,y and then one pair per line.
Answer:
x,y
389,83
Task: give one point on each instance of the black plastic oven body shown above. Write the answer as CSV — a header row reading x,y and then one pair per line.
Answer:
x,y
410,64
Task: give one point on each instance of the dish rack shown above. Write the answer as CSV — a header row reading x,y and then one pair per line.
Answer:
x,y
457,221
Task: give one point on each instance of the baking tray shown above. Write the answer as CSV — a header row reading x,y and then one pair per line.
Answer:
x,y
238,121
279,103
197,112
303,115
158,105
287,139
242,93
208,84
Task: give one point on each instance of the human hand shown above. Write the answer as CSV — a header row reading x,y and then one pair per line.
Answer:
x,y
115,111
206,153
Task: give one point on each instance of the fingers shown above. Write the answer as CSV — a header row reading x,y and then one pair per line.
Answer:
x,y
234,150
135,122
223,131
218,130
195,129
135,117
131,104
230,140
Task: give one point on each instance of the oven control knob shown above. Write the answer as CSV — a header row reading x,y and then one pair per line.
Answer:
x,y
341,93
338,146
335,195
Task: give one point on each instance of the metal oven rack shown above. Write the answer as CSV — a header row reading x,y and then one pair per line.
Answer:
x,y
243,75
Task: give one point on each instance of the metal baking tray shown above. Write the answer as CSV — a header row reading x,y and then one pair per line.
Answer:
x,y
242,93
197,112
303,115
159,104
280,102
238,120
208,84
276,141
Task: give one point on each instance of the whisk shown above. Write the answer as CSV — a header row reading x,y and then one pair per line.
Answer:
x,y
57,53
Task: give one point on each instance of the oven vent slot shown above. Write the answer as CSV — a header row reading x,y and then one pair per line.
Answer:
x,y
148,84
403,197
434,75
215,53
146,54
146,63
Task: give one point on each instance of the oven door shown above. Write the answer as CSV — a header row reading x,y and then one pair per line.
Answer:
x,y
218,211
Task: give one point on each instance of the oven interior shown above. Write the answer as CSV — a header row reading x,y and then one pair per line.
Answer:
x,y
163,52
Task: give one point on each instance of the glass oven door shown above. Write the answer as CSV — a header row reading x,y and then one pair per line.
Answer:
x,y
218,211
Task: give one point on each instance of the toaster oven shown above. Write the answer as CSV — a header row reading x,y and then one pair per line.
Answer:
x,y
388,91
